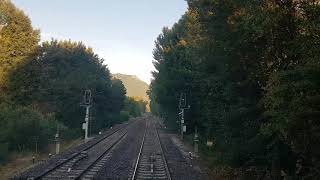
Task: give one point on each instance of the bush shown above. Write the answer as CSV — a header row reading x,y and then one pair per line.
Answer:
x,y
135,107
21,128
3,152
124,116
70,134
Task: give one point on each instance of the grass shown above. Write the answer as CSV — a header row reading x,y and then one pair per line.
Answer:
x,y
21,161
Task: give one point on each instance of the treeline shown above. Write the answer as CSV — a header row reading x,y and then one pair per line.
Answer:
x,y
42,87
251,72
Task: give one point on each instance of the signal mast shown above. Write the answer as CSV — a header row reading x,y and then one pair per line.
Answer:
x,y
182,106
87,104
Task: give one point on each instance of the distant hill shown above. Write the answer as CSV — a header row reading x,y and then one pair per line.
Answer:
x,y
135,86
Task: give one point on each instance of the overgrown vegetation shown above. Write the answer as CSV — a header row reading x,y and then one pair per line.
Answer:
x,y
42,86
251,71
135,106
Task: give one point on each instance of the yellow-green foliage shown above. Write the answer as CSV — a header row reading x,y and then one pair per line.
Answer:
x,y
18,39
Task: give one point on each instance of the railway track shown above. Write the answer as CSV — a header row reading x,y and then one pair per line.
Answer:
x,y
88,160
133,151
151,162
85,158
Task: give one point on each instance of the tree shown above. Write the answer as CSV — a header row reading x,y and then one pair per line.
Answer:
x,y
134,107
54,81
249,69
118,95
42,86
115,103
18,40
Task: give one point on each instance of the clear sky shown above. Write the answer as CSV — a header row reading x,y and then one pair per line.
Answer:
x,y
120,31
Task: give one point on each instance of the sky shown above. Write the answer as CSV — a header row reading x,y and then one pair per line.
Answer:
x,y
120,31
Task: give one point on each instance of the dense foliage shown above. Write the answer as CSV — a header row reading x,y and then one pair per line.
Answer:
x,y
42,87
135,106
18,40
251,71
54,81
23,129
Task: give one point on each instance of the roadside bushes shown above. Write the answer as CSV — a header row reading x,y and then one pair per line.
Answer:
x,y
21,129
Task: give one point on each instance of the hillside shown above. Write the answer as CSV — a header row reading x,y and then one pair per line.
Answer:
x,y
135,86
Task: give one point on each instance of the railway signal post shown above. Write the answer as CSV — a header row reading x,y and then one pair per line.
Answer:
x,y
57,140
182,106
196,140
87,104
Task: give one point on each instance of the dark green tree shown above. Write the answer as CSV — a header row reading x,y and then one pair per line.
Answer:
x,y
55,79
250,72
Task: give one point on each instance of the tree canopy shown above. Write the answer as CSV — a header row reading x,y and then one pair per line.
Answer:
x,y
18,40
42,87
251,74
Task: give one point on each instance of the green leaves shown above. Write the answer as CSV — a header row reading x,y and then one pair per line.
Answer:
x,y
19,125
18,40
251,69
134,106
42,86
54,80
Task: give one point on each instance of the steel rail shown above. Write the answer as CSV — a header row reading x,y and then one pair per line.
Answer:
x,y
103,154
43,174
163,156
162,152
140,152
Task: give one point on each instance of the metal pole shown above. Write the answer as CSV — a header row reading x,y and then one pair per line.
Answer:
x,y
36,145
87,123
57,146
182,122
57,140
182,107
196,148
86,104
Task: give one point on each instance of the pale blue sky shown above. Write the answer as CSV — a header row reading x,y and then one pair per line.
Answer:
x,y
120,31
